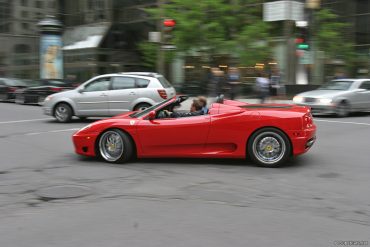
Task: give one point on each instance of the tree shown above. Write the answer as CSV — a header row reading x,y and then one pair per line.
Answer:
x,y
330,37
211,27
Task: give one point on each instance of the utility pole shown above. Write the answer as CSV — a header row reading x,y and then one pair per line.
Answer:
x,y
160,51
313,5
289,67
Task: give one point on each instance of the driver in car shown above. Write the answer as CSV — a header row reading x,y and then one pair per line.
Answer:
x,y
196,109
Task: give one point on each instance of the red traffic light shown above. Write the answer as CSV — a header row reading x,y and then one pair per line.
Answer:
x,y
299,40
169,23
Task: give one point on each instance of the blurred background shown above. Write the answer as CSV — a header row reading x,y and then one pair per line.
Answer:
x,y
305,42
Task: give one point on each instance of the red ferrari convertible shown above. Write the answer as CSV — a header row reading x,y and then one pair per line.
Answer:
x,y
267,133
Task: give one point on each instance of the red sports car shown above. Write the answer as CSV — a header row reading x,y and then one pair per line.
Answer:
x,y
267,133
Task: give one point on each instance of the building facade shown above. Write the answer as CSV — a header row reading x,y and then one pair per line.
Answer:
x,y
19,35
102,36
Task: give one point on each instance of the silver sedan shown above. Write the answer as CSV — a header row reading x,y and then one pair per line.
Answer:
x,y
339,97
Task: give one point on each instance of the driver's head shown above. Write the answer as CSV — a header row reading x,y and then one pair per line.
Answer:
x,y
196,106
203,100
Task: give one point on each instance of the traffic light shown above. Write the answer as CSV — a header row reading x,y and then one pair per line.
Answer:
x,y
301,41
168,26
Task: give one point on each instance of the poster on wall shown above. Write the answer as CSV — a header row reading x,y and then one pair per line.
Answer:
x,y
51,57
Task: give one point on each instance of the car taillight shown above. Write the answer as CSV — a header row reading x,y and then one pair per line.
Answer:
x,y
307,120
12,89
56,89
162,93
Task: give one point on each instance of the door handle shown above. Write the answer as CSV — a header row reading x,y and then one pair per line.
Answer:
x,y
132,93
103,94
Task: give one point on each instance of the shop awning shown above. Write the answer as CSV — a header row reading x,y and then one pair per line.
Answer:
x,y
86,36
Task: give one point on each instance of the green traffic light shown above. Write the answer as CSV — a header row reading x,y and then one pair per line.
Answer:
x,y
303,46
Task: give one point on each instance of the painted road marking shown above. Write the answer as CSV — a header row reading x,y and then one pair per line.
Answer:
x,y
24,121
342,122
51,131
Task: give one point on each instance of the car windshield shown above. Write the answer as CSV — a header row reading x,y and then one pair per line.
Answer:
x,y
15,83
337,85
147,110
55,83
34,83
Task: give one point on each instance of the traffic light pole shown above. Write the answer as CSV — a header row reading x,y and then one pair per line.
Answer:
x,y
160,51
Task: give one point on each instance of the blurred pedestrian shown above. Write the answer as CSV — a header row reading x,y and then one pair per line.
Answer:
x,y
216,82
262,86
233,80
275,84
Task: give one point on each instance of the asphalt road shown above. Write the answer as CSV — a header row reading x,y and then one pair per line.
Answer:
x,y
318,199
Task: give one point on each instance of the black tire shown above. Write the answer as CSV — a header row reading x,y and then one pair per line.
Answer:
x,y
342,109
20,99
120,154
63,113
269,142
142,106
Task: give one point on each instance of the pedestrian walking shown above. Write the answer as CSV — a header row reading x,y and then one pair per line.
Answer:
x,y
233,80
262,86
275,84
216,82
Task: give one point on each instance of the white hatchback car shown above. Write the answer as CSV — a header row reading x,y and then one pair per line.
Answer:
x,y
109,95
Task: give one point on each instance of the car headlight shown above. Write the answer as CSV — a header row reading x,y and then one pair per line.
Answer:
x,y
325,101
48,98
297,99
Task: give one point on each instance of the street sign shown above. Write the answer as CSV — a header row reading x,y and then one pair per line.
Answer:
x,y
306,58
283,10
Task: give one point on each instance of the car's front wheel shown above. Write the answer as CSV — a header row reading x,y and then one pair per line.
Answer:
x,y
115,146
269,147
343,109
63,113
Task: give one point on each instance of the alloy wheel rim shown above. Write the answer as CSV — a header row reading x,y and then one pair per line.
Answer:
x,y
269,147
61,113
111,146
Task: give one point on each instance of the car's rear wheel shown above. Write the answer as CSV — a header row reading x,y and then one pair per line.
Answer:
x,y
141,106
269,147
115,146
63,113
342,109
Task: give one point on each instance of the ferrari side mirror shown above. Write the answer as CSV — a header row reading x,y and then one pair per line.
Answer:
x,y
151,115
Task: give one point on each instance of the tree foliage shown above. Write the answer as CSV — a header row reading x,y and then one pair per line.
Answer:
x,y
331,36
212,27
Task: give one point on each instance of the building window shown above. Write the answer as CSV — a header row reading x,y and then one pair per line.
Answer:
x,y
24,14
25,26
24,2
38,15
38,4
22,48
52,4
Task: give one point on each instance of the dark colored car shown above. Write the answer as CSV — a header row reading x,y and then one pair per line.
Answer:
x,y
40,90
8,87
